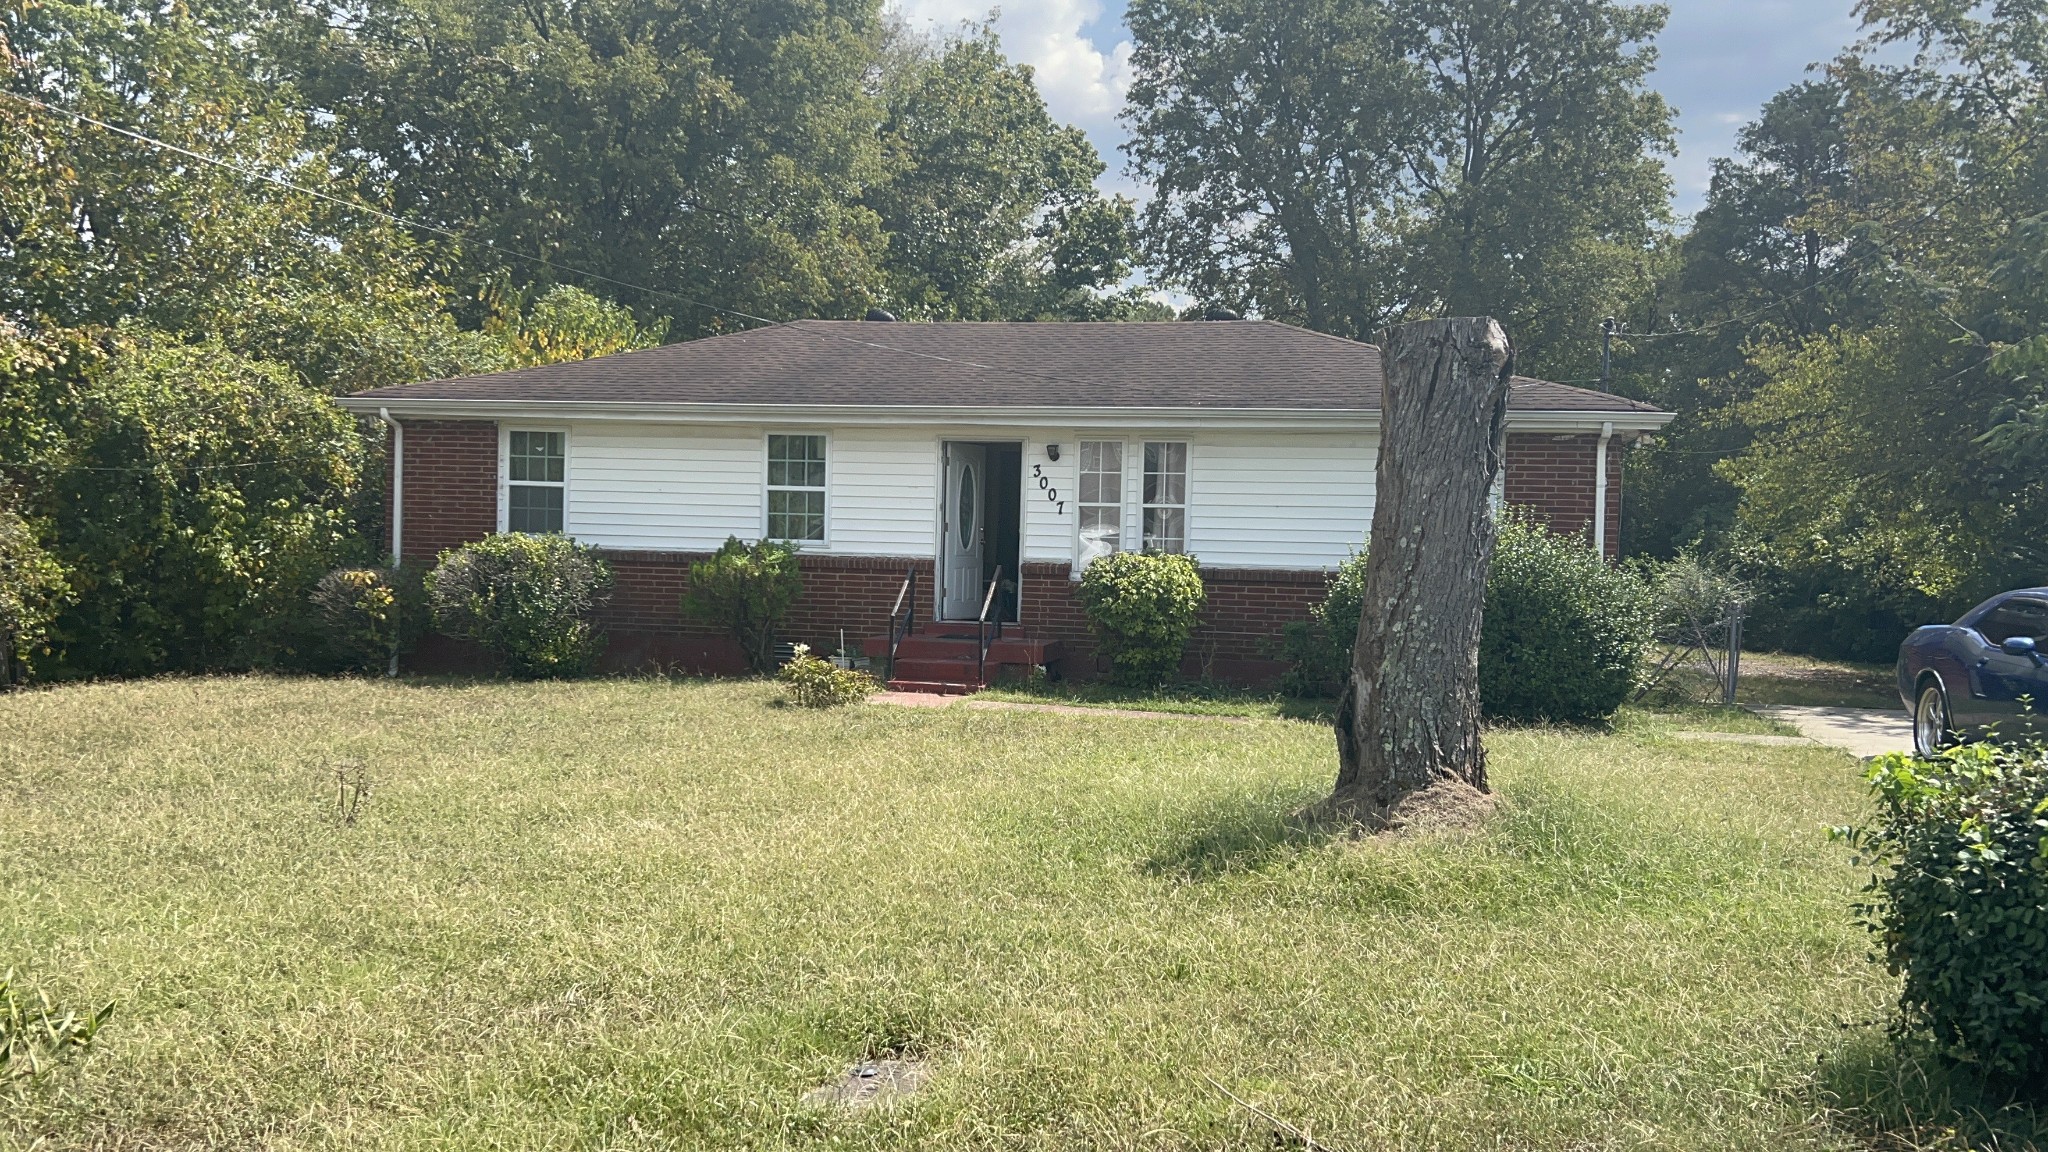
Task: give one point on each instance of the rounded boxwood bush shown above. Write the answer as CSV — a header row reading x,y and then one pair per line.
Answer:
x,y
526,599
1960,903
1565,631
1142,607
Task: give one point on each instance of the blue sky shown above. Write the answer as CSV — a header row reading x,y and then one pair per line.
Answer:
x,y
1719,60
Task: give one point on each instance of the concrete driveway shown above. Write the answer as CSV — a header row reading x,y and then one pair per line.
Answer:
x,y
1860,731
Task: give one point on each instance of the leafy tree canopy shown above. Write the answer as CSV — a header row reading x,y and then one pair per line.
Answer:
x,y
1862,301
1344,164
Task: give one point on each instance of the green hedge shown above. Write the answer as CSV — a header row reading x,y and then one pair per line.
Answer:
x,y
1564,636
371,615
1565,631
1142,607
32,588
1960,902
529,600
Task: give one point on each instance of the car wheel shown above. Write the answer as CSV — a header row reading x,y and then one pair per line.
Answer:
x,y
1930,721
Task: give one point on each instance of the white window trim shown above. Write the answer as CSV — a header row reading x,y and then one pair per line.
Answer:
x,y
831,456
505,432
1187,491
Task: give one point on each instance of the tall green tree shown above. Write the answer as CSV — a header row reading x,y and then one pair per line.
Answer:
x,y
99,229
1760,264
1347,163
990,206
1876,432
715,152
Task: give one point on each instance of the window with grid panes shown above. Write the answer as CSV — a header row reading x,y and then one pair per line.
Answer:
x,y
796,487
1166,496
536,469
1101,503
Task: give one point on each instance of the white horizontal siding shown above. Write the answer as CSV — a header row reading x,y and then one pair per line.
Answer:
x,y
1256,499
663,487
1049,531
1279,500
883,493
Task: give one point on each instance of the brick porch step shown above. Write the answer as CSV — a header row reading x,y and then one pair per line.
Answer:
x,y
944,657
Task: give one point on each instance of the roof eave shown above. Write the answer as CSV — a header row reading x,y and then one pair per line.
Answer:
x,y
1533,420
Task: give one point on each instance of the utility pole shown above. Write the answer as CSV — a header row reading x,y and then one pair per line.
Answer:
x,y
1607,328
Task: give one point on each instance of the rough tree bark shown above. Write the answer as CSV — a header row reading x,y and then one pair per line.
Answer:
x,y
1409,720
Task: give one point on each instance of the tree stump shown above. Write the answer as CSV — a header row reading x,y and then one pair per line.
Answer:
x,y
1408,742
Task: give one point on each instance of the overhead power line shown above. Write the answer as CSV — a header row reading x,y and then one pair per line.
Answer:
x,y
405,222
358,206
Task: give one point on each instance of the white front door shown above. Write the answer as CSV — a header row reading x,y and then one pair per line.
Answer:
x,y
965,498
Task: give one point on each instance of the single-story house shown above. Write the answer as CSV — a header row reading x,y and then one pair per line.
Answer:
x,y
973,455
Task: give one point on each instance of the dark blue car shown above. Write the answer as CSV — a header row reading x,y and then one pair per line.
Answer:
x,y
1988,670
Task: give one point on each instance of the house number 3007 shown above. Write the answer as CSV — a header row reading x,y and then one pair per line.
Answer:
x,y
1052,494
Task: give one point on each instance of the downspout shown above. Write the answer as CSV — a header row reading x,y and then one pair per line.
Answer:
x,y
397,511
1600,491
397,487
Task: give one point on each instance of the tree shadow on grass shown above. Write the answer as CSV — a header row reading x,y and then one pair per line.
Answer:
x,y
1243,834
1902,1094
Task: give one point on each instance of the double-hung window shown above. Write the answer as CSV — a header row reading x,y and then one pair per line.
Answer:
x,y
536,480
1166,496
1101,500
796,487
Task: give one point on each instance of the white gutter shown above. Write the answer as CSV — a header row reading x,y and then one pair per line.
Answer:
x,y
397,487
1600,492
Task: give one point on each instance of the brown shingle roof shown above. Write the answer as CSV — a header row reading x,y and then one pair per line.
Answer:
x,y
1249,364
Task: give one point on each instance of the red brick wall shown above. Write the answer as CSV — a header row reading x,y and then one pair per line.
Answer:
x,y
648,631
1237,641
1555,474
451,486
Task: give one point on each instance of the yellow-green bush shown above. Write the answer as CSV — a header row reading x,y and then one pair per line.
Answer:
x,y
813,683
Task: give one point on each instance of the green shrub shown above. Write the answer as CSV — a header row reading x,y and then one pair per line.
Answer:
x,y
198,498
1142,607
371,615
527,599
1318,649
32,586
815,683
1565,631
1960,903
746,589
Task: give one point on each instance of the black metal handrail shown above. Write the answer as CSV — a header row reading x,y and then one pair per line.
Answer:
x,y
902,617
981,623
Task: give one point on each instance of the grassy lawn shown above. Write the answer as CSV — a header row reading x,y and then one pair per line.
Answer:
x,y
641,914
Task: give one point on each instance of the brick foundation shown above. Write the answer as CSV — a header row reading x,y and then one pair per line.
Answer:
x,y
648,631
1555,475
1237,641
